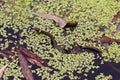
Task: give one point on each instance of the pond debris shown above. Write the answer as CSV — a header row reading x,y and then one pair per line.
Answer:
x,y
105,39
61,22
33,61
7,54
117,29
77,49
4,55
3,69
31,57
24,65
2,2
116,17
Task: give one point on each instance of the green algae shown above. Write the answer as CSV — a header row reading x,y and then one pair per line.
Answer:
x,y
90,15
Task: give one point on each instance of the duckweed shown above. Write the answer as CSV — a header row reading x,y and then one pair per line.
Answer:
x,y
90,15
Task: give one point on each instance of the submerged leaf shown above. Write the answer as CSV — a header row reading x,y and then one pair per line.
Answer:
x,y
92,50
115,66
24,65
76,48
2,70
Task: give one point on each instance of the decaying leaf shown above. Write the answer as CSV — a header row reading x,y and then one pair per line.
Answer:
x,y
116,17
2,2
61,22
57,19
28,53
33,61
71,24
77,48
34,58
24,65
4,55
105,39
2,70
8,52
94,50
117,29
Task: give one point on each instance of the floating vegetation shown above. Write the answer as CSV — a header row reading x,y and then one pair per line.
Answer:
x,y
72,51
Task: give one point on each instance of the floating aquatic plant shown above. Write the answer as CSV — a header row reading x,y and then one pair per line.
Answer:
x,y
16,16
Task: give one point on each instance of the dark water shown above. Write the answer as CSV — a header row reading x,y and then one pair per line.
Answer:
x,y
108,68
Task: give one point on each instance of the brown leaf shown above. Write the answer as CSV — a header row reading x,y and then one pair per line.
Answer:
x,y
33,61
2,2
117,29
71,24
2,70
30,54
62,23
8,52
24,65
105,39
76,48
116,17
93,50
4,55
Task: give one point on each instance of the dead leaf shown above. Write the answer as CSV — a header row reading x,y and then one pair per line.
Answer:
x,y
2,70
94,50
116,17
57,19
24,65
105,39
117,29
4,55
33,61
2,2
76,48
71,24
8,52
61,22
30,54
